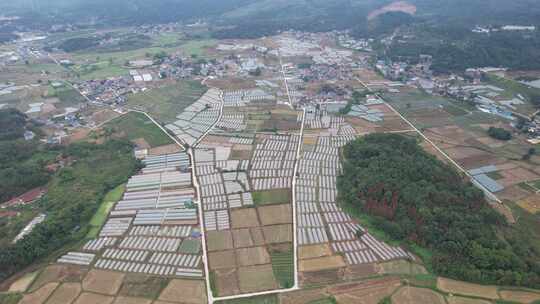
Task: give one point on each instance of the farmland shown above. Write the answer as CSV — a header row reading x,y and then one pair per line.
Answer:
x,y
134,126
164,103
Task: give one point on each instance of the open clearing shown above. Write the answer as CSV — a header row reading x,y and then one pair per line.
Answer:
x,y
414,295
278,234
166,102
65,293
105,282
222,259
137,285
130,300
314,251
323,263
184,291
275,214
519,296
39,296
244,218
252,256
136,125
226,282
22,284
461,300
219,240
256,278
59,273
467,289
92,298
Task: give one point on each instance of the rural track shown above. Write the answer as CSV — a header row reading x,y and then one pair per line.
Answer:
x,y
489,194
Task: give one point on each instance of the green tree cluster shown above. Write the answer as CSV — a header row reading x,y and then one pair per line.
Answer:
x,y
73,196
499,133
417,199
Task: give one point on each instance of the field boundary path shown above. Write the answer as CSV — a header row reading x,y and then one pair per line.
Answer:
x,y
489,194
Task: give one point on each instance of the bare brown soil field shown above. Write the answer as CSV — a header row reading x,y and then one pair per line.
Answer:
x,y
519,296
277,233
317,264
311,140
39,296
227,282
313,251
430,117
244,218
167,149
240,154
242,238
256,278
323,277
92,298
398,6
222,259
303,296
361,126
130,300
275,214
414,295
142,286
467,289
65,293
59,273
257,236
221,140
22,284
461,300
354,272
366,292
219,240
252,256
516,193
490,142
101,281
232,83
368,75
516,176
184,291
77,135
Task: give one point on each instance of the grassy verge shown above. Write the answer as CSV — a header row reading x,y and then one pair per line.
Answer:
x,y
10,298
98,220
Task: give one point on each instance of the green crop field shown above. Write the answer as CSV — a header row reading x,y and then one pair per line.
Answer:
x,y
190,246
280,196
283,267
267,299
167,102
136,125
100,216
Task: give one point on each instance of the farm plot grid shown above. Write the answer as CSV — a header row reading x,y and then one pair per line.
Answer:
x,y
240,98
242,236
321,220
154,228
198,118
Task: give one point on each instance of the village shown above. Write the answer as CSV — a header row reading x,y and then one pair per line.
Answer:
x,y
240,198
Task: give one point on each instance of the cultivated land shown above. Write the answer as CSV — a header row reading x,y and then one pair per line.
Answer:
x,y
249,204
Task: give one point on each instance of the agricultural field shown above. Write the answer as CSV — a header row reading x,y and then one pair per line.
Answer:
x,y
166,102
99,218
138,128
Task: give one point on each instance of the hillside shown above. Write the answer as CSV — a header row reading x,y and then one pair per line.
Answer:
x,y
415,198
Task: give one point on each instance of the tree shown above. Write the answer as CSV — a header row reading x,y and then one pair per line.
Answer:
x,y
499,133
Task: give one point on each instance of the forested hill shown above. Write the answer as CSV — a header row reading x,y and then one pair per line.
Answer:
x,y
416,199
333,13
